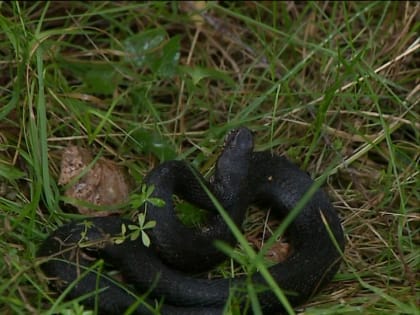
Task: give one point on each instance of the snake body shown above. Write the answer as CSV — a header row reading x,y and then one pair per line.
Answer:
x,y
159,272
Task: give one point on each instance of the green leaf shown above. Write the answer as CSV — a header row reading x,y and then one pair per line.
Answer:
x,y
149,141
141,218
145,239
100,78
198,73
149,49
141,47
149,190
119,240
190,214
149,225
135,235
168,63
133,227
136,202
157,202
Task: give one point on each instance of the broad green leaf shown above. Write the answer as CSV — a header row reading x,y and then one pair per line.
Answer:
x,y
142,47
101,78
168,62
101,81
149,141
152,49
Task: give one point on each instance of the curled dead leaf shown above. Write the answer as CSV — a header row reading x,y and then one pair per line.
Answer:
x,y
100,183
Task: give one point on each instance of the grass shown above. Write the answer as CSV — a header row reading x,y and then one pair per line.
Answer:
x,y
334,86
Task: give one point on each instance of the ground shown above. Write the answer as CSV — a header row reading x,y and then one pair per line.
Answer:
x,y
334,86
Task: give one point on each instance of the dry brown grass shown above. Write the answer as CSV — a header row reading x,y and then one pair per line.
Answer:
x,y
332,85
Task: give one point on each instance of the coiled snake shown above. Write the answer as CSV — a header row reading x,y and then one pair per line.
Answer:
x,y
242,177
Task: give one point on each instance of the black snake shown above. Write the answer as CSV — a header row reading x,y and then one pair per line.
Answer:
x,y
158,274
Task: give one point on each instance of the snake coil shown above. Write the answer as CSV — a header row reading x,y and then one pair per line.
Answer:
x,y
242,177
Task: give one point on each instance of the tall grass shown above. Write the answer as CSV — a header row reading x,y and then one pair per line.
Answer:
x,y
333,86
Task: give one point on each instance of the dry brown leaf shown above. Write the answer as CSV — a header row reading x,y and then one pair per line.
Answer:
x,y
277,253
102,184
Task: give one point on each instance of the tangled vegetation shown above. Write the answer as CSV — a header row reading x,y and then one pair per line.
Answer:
x,y
334,86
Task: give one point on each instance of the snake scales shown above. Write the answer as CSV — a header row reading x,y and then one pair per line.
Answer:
x,y
159,273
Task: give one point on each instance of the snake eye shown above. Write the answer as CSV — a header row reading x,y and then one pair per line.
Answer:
x,y
241,138
236,154
231,134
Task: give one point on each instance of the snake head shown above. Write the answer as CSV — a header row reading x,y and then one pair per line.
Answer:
x,y
234,160
240,139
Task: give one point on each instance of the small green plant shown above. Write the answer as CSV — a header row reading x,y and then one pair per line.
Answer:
x,y
319,82
135,230
76,309
84,239
138,200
